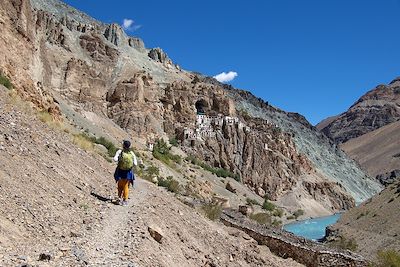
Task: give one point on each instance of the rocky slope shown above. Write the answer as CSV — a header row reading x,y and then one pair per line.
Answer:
x,y
375,109
61,59
56,208
378,152
374,225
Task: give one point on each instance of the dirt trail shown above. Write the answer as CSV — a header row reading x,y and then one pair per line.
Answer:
x,y
112,241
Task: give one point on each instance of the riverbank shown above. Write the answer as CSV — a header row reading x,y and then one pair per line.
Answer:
x,y
286,244
312,229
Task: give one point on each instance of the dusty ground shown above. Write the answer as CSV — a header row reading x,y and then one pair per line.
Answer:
x,y
375,150
54,199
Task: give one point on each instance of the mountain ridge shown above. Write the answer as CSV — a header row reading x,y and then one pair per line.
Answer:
x,y
100,69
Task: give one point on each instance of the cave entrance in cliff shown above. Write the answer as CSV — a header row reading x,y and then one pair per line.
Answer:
x,y
201,106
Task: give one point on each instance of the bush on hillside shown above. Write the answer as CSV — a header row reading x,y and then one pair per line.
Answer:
x,y
170,184
278,212
252,202
213,211
6,82
220,172
173,141
344,243
111,148
387,258
261,218
161,151
298,213
267,205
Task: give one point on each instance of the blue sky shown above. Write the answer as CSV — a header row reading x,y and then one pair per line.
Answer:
x,y
312,57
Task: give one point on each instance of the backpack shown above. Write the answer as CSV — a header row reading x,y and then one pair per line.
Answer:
x,y
125,161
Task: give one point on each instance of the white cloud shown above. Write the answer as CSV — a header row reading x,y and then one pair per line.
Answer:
x,y
226,77
129,24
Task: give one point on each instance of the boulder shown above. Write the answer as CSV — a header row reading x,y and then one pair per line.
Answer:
x,y
230,188
156,233
246,210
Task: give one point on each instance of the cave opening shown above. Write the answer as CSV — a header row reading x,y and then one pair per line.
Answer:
x,y
201,107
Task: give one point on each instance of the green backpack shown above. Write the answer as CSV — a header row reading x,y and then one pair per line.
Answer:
x,y
125,161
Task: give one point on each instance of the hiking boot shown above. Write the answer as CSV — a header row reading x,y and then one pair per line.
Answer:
x,y
124,203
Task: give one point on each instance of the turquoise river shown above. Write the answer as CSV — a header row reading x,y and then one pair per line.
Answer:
x,y
313,229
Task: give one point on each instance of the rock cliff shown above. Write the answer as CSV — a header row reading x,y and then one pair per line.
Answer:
x,y
55,54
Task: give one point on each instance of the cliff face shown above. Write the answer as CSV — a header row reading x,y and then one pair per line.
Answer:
x,y
377,108
55,54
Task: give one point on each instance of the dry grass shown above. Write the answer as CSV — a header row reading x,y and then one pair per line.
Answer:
x,y
261,218
82,142
212,211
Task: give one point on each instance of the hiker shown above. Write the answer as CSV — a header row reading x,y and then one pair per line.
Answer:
x,y
123,173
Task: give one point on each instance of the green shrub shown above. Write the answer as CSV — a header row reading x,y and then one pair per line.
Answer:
x,y
153,171
6,82
220,172
291,217
298,213
173,141
390,258
111,148
212,211
170,183
261,218
344,243
252,202
161,151
147,173
278,212
268,205
276,223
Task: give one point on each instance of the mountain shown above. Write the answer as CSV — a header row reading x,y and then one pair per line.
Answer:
x,y
374,225
56,208
82,86
378,152
71,65
373,110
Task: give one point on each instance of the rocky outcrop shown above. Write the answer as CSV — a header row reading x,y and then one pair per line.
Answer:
x,y
377,108
114,33
389,177
97,49
137,43
94,68
320,150
286,244
157,54
333,191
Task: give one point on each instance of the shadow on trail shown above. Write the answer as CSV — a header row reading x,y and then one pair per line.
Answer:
x,y
101,198
105,199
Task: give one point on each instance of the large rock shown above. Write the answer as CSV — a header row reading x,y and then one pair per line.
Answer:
x,y
156,233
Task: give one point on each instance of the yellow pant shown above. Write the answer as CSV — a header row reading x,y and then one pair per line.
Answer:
x,y
123,188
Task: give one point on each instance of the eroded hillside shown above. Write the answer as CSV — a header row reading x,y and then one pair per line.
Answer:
x,y
65,62
56,208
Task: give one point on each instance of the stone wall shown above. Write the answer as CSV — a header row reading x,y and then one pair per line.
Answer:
x,y
287,245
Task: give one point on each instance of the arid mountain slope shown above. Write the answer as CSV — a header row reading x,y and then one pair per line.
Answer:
x,y
55,206
378,152
61,59
373,110
375,224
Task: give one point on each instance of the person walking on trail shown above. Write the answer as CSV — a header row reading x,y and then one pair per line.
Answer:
x,y
123,173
